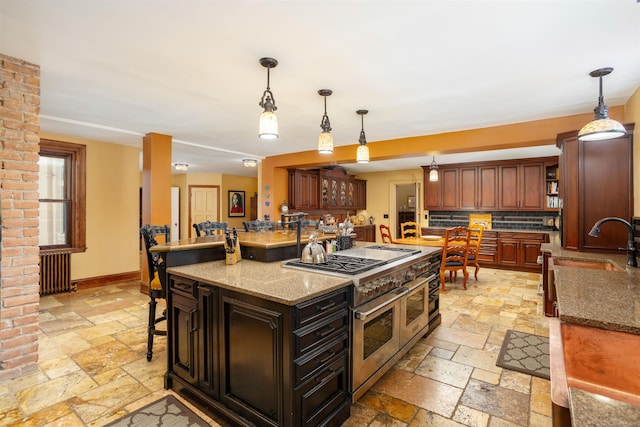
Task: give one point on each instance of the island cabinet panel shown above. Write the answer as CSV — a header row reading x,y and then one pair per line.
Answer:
x,y
259,362
520,250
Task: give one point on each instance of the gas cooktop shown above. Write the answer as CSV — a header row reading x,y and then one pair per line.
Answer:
x,y
357,260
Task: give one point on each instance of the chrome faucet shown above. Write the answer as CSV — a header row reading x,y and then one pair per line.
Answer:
x,y
631,246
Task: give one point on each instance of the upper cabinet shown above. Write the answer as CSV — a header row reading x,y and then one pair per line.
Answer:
x,y
326,189
596,182
503,185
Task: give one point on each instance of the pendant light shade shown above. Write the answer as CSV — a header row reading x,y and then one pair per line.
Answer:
x,y
325,140
268,127
433,172
362,154
602,127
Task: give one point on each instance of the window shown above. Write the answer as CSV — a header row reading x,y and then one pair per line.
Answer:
x,y
62,187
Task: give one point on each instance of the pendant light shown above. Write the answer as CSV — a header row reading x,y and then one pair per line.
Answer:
x,y
362,155
602,127
433,172
268,120
325,140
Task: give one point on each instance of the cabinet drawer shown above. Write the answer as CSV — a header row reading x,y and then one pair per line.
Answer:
x,y
323,394
523,236
310,311
309,364
183,286
306,339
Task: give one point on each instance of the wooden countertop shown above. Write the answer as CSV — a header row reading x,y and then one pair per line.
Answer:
x,y
266,240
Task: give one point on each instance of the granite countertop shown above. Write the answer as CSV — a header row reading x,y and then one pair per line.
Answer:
x,y
602,300
599,298
266,240
266,280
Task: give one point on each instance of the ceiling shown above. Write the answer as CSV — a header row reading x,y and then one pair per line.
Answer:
x,y
116,70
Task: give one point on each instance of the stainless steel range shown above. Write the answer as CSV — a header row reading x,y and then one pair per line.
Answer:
x,y
395,302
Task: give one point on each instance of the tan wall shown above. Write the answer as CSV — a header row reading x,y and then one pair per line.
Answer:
x,y
113,188
226,182
381,196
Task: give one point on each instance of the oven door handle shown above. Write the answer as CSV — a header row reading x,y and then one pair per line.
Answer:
x,y
421,281
387,299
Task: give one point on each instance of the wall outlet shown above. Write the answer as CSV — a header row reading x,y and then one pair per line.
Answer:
x,y
386,216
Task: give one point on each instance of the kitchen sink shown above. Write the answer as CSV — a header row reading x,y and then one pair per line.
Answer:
x,y
583,263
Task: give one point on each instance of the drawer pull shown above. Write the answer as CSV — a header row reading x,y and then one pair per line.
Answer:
x,y
324,377
326,332
327,307
182,286
325,359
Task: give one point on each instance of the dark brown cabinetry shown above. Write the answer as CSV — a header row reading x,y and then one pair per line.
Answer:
x,y
597,182
521,186
365,233
326,189
520,250
504,185
304,188
258,361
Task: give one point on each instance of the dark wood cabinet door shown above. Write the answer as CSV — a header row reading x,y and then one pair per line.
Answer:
x,y
468,188
508,187
184,326
487,192
432,191
449,178
530,250
251,385
508,251
361,194
208,340
531,191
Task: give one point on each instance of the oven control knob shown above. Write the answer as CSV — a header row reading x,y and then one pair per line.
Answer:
x,y
409,275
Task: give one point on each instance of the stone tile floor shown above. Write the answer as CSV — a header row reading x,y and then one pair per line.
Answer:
x,y
93,367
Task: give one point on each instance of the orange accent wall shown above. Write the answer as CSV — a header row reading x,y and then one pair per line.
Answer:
x,y
526,134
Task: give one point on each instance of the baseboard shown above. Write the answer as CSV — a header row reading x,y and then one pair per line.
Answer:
x,y
111,279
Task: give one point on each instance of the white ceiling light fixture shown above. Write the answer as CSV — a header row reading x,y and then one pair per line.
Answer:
x,y
268,128
325,140
249,163
362,154
601,127
181,166
433,171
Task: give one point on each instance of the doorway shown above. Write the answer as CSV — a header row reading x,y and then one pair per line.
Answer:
x,y
405,203
204,204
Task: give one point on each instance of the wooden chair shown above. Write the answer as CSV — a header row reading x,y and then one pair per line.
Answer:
x,y
209,228
157,280
454,254
385,233
475,239
409,229
257,225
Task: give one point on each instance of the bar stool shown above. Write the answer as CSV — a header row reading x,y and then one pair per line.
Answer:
x,y
157,280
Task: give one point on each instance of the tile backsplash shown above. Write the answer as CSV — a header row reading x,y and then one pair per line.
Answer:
x,y
501,220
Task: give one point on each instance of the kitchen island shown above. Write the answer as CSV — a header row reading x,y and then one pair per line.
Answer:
x,y
597,337
266,344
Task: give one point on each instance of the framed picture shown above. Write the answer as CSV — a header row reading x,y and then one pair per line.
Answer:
x,y
236,203
411,201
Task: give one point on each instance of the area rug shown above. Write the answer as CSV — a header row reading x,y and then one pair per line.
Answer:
x,y
526,353
167,412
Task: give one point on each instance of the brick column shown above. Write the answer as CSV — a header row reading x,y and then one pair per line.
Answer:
x,y
19,250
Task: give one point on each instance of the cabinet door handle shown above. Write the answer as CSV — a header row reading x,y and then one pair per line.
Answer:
x,y
326,332
325,359
327,306
192,319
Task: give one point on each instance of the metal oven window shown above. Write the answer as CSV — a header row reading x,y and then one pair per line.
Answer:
x,y
415,306
377,332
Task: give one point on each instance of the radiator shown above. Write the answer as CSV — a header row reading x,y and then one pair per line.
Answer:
x,y
55,272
